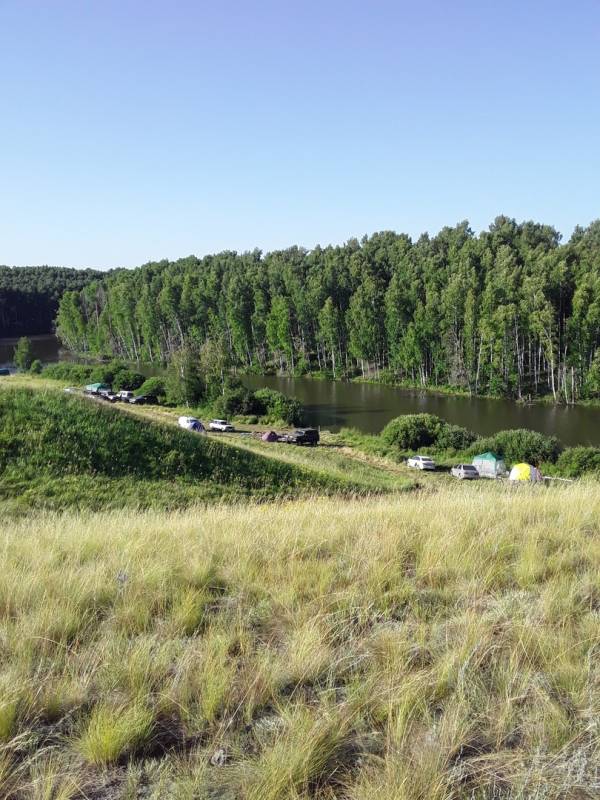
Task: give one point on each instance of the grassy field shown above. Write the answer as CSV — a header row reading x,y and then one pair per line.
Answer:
x,y
333,459
60,450
411,647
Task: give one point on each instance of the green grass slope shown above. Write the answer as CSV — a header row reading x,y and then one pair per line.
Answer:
x,y
372,474
417,647
58,450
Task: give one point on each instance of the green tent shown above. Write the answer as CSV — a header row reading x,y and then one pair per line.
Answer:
x,y
489,465
94,388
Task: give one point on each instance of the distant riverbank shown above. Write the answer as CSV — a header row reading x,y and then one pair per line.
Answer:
x,y
369,406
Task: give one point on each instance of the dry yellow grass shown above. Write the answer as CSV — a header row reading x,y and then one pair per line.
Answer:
x,y
423,646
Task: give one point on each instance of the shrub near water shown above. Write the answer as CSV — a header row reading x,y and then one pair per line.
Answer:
x,y
115,373
274,406
412,431
453,437
520,445
576,461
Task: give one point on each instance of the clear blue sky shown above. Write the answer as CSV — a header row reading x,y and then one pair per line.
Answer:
x,y
133,130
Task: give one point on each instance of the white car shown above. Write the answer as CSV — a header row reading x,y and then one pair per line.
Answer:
x,y
220,425
465,472
191,424
125,396
421,462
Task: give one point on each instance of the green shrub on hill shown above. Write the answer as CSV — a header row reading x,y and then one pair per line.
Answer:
x,y
127,379
574,462
453,437
412,431
274,406
154,389
116,373
66,371
520,445
235,400
23,356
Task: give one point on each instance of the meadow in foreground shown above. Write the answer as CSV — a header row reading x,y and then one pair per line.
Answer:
x,y
440,645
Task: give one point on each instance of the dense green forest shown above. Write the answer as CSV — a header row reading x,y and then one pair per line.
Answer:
x,y
29,296
512,311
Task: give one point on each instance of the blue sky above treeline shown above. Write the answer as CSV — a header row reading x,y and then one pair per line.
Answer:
x,y
138,130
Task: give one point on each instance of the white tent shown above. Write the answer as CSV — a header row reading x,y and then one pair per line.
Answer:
x,y
191,424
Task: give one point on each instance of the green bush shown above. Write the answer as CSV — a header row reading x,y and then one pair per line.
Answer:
x,y
115,373
412,431
66,371
302,367
453,437
184,383
576,461
127,379
274,406
520,445
36,367
236,399
153,389
23,356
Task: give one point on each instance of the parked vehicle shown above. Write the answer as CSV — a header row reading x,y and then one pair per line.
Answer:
x,y
308,436
465,472
140,400
125,396
108,394
220,425
4,371
191,424
421,462
97,388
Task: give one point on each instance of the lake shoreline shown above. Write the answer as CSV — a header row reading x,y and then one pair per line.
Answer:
x,y
442,391
368,405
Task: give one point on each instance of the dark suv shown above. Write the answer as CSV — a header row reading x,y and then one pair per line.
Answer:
x,y
309,436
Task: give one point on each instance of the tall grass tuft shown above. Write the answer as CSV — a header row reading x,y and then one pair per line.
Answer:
x,y
113,732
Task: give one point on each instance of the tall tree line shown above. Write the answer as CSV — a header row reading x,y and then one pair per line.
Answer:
x,y
29,296
512,311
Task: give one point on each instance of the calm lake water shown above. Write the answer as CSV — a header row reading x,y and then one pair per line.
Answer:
x,y
46,348
369,407
333,405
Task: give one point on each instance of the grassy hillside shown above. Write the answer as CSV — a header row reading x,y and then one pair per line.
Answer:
x,y
406,648
59,450
332,459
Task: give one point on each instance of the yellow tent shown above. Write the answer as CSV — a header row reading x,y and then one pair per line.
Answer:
x,y
525,472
